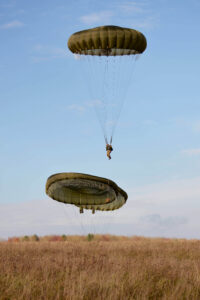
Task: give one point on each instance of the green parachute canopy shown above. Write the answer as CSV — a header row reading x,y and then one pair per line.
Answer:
x,y
107,41
85,191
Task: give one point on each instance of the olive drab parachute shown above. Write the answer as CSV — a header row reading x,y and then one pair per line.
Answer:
x,y
107,40
85,191
109,53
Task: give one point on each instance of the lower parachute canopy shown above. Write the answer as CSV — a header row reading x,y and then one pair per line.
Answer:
x,y
85,191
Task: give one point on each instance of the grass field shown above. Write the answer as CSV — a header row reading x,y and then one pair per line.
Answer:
x,y
103,267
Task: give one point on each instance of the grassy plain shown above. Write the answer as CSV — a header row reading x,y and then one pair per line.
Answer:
x,y
106,267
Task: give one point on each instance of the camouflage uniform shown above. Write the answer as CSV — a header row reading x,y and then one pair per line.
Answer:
x,y
109,149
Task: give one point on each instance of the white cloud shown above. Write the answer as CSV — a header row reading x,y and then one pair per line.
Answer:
x,y
45,53
100,17
168,209
145,23
47,216
8,5
191,152
150,123
193,125
17,12
157,220
168,193
132,7
134,13
83,107
13,24
20,11
50,50
95,103
143,17
196,126
75,107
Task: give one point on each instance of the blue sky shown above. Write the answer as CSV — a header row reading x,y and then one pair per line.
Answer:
x,y
47,127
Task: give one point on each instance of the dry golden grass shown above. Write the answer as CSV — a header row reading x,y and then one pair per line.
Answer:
x,y
104,268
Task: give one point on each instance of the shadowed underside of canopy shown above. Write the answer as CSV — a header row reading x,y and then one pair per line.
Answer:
x,y
85,191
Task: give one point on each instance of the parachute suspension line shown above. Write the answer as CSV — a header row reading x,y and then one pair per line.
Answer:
x,y
93,223
107,88
101,89
109,77
98,103
110,92
115,90
111,223
66,216
78,217
106,140
86,72
112,85
102,93
104,90
129,63
119,97
72,218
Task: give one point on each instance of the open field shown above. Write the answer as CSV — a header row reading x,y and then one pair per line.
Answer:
x,y
106,267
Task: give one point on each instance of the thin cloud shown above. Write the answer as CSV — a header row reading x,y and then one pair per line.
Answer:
x,y
50,217
11,25
157,220
145,23
150,123
193,125
174,191
167,209
18,12
45,53
196,126
50,50
143,17
78,108
94,103
191,152
132,7
103,17
85,106
8,5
